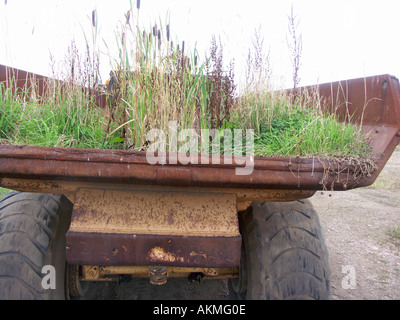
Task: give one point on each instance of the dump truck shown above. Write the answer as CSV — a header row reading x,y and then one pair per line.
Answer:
x,y
85,215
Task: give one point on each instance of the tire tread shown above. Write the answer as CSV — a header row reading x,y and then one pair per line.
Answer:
x,y
29,223
286,255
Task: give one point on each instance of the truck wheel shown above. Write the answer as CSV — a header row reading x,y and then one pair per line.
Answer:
x,y
32,236
284,255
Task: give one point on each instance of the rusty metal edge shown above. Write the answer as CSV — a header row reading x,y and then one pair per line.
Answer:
x,y
273,173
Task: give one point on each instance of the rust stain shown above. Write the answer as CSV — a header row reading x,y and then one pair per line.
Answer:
x,y
194,254
159,254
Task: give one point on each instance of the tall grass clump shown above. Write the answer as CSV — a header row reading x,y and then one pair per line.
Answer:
x,y
157,84
64,115
69,123
158,80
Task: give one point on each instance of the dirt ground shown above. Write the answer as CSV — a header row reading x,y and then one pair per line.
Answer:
x,y
362,231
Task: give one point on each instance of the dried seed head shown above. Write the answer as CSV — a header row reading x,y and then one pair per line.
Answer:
x,y
127,16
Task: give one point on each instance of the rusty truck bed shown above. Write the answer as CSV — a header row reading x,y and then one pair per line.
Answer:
x,y
374,101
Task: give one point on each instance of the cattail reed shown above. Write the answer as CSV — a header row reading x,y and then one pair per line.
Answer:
x,y
167,32
159,39
94,18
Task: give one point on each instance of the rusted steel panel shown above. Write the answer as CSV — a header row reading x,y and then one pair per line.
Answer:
x,y
37,86
23,81
154,212
373,102
145,249
120,227
370,101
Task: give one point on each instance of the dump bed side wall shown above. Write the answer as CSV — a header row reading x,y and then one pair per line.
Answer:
x,y
373,103
366,101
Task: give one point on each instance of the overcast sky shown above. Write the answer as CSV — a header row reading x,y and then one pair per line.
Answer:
x,y
341,39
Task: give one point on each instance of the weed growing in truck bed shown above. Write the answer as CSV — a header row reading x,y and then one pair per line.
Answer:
x,y
305,133
68,122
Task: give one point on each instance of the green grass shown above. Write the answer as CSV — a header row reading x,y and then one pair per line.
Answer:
x,y
79,123
306,133
285,127
71,122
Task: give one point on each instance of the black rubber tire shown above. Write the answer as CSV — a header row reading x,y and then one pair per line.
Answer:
x,y
284,254
32,235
